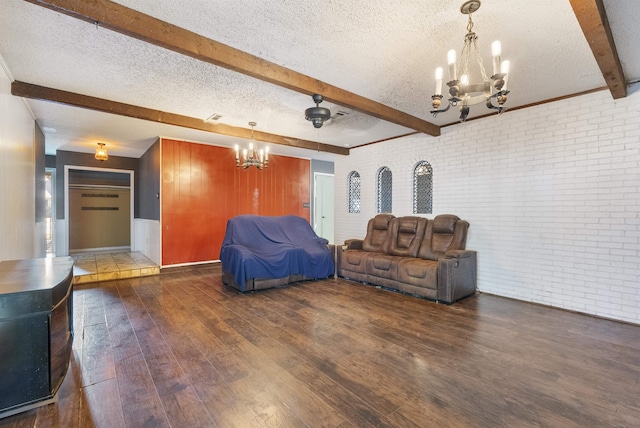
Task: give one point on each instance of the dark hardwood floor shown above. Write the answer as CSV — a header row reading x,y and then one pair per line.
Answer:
x,y
181,350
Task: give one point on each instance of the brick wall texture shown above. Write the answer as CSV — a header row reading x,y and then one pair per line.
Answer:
x,y
552,194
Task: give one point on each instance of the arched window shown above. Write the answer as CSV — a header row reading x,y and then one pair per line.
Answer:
x,y
354,192
422,188
384,196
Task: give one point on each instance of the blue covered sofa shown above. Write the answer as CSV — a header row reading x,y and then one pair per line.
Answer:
x,y
261,252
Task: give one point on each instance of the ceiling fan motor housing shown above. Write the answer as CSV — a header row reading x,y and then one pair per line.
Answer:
x,y
317,115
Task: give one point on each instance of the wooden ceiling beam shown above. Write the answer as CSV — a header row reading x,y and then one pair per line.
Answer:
x,y
28,90
595,26
151,30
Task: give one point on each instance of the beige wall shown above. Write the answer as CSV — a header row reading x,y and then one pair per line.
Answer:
x,y
17,175
99,218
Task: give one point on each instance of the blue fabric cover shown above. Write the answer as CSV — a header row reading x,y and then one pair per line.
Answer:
x,y
259,247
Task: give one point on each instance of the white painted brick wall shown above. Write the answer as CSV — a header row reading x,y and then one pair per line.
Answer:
x,y
552,194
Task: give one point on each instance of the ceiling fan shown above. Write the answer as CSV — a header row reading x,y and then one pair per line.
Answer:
x,y
317,115
320,115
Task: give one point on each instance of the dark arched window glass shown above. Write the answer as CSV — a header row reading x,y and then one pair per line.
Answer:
x,y
384,193
422,188
354,192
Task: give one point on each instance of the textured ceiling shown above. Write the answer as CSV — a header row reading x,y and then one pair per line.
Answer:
x,y
384,51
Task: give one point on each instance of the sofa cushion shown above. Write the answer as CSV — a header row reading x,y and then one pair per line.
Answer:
x,y
407,237
418,272
377,233
382,266
355,260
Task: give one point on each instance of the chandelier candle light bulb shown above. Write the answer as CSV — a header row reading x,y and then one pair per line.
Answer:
x,y
451,59
504,69
496,51
438,81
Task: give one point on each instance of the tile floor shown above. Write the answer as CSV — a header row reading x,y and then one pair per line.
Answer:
x,y
105,266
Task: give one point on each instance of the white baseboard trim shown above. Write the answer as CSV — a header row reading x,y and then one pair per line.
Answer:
x,y
190,264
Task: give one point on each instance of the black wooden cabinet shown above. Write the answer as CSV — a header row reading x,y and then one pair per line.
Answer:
x,y
36,331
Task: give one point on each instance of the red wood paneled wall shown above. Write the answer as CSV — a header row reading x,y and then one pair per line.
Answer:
x,y
202,189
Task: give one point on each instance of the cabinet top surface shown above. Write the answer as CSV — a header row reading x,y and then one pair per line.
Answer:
x,y
34,274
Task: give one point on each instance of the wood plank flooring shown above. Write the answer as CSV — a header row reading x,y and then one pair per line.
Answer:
x,y
181,350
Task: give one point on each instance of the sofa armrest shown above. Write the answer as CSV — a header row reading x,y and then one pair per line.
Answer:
x,y
349,244
459,254
456,275
352,244
334,256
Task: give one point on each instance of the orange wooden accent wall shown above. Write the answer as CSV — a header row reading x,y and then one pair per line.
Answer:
x,y
202,189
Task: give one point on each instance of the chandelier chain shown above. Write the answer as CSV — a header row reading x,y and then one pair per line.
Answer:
x,y
483,72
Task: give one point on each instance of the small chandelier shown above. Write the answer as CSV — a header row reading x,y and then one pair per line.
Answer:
x,y
251,156
461,90
101,153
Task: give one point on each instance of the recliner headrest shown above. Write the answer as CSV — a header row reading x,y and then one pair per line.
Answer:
x,y
445,223
408,225
381,221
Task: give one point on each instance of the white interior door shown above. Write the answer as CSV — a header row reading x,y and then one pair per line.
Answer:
x,y
323,207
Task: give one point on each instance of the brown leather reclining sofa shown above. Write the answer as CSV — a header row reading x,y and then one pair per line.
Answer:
x,y
414,255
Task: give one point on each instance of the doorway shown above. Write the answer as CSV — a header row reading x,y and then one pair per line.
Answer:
x,y
323,214
50,209
98,209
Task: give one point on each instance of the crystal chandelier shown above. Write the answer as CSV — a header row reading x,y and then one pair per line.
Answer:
x,y
251,156
101,152
461,90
